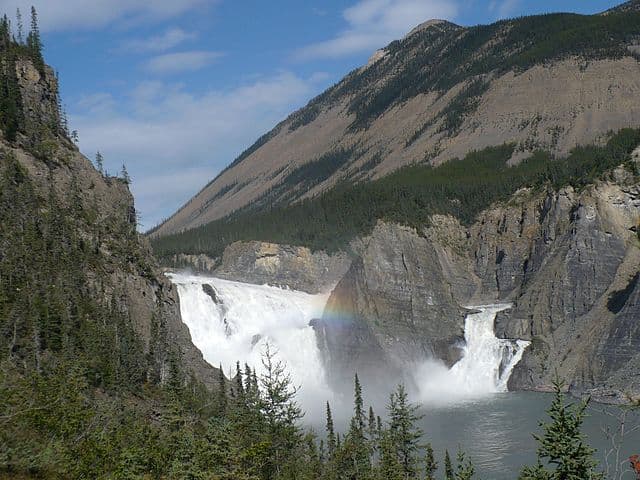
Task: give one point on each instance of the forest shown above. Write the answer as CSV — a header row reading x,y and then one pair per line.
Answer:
x,y
84,395
410,196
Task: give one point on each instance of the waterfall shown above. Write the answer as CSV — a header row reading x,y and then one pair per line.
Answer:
x,y
232,321
487,361
485,367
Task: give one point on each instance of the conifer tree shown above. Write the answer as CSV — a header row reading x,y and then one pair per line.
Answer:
x,y
430,463
356,449
405,433
464,469
100,162
331,434
280,410
372,424
20,26
34,41
221,394
448,467
124,174
390,467
562,444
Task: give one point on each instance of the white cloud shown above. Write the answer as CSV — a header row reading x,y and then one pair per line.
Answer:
x,y
374,23
69,14
181,62
159,43
173,142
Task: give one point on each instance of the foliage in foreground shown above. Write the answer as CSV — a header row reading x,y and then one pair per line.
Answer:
x,y
563,452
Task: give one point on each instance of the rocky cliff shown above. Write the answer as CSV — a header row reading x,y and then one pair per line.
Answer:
x,y
79,212
269,263
567,260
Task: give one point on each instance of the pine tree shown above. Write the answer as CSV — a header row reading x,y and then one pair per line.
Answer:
x,y
430,464
34,42
358,419
448,467
124,174
464,469
390,467
404,431
562,445
356,449
20,26
100,162
372,424
221,394
331,434
280,410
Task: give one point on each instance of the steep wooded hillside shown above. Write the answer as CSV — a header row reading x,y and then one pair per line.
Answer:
x,y
548,82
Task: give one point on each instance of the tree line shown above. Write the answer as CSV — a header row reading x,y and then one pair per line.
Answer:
x,y
410,196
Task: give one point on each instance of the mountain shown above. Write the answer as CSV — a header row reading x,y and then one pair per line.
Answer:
x,y
461,166
92,346
547,82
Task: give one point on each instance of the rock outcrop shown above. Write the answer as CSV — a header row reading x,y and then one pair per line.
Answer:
x,y
268,263
394,307
568,261
123,273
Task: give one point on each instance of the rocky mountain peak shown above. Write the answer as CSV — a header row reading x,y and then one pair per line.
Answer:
x,y
627,7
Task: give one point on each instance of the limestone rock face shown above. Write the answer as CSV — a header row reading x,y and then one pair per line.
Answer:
x,y
39,92
395,306
293,267
568,261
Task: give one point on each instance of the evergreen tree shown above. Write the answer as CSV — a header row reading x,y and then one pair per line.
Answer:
x,y
358,419
372,430
20,26
404,431
221,394
464,469
100,162
562,445
34,42
280,410
356,450
124,174
390,467
331,434
430,464
448,467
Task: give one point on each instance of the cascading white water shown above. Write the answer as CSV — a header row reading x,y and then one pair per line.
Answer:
x,y
234,321
485,367
487,361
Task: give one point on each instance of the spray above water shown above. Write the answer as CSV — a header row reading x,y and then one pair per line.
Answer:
x,y
485,367
233,321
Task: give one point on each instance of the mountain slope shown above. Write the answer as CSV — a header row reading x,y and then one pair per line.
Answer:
x,y
547,82
92,347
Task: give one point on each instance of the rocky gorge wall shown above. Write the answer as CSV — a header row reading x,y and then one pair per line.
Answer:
x,y
125,271
568,261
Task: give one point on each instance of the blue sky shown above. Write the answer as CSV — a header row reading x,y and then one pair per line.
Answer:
x,y
176,89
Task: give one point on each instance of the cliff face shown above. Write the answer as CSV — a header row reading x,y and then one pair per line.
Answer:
x,y
568,261
77,209
437,94
395,306
269,263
